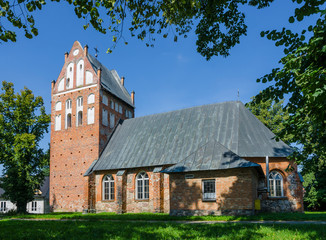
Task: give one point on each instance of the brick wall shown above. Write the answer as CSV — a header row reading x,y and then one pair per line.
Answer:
x,y
235,192
292,187
74,149
125,192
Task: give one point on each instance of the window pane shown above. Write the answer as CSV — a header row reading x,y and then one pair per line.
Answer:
x,y
146,192
209,189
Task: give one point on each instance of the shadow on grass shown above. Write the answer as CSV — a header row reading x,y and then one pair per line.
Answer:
x,y
121,230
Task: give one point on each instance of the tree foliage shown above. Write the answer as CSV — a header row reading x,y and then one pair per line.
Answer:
x,y
272,115
23,122
302,79
218,24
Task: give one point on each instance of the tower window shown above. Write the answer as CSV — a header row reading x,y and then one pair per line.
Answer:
x,y
68,119
68,83
79,102
80,118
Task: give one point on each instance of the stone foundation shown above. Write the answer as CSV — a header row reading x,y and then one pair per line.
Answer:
x,y
232,212
278,205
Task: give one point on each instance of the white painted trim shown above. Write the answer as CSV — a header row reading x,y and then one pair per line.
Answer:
x,y
75,90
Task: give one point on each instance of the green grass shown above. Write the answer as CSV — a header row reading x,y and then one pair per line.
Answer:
x,y
307,216
13,229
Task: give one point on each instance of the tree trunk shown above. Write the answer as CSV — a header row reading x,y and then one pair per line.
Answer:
x,y
21,207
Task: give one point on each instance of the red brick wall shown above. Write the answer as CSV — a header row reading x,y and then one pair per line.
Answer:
x,y
158,192
74,149
235,193
292,186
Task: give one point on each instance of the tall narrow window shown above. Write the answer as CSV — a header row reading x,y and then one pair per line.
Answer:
x,y
112,120
90,115
108,188
34,206
275,184
68,113
91,98
116,107
142,186
70,76
58,106
112,104
3,206
209,190
57,125
105,117
120,109
80,118
61,84
89,77
105,100
68,120
80,73
79,111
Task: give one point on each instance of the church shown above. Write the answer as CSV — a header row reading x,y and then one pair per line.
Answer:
x,y
206,160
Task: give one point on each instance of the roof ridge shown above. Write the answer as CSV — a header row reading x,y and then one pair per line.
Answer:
x,y
183,109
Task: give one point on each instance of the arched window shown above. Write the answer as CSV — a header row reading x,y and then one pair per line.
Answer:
x,y
89,77
108,187
275,184
68,113
79,109
142,186
80,73
61,85
58,106
80,118
91,98
70,76
68,104
57,125
68,120
90,115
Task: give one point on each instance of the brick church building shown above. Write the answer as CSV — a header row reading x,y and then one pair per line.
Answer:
x,y
211,159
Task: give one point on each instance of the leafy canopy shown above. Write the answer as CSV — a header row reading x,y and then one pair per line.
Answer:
x,y
23,122
218,24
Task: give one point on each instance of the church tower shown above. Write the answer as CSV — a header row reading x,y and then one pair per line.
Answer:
x,y
87,102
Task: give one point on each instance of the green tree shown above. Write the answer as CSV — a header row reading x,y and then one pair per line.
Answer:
x,y
273,115
23,122
218,24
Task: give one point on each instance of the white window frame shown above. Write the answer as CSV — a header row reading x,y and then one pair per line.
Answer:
x,y
108,184
273,178
209,191
58,106
91,98
79,111
68,111
142,186
34,206
3,206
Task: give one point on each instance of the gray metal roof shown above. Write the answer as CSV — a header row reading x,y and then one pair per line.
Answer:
x,y
212,156
172,137
45,188
110,81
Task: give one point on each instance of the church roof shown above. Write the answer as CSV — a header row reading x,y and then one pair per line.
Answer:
x,y
216,136
110,81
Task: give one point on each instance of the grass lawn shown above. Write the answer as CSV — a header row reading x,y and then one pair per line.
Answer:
x,y
315,216
13,229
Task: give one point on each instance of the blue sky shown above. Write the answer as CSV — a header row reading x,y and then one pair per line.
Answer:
x,y
167,77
